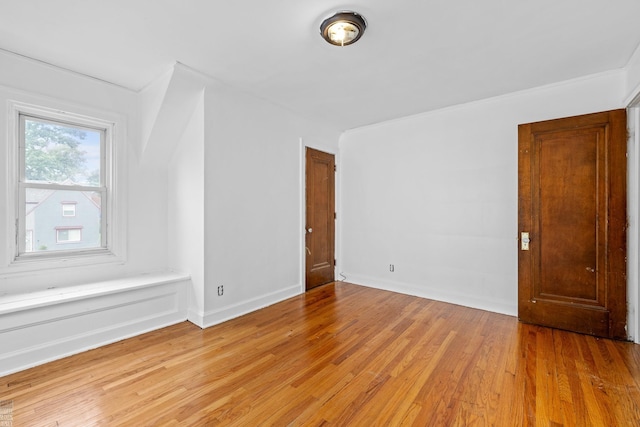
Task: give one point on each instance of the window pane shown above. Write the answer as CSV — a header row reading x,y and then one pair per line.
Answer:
x,y
50,231
61,153
70,235
68,209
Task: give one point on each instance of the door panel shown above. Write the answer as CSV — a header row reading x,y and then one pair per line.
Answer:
x,y
568,171
320,229
572,202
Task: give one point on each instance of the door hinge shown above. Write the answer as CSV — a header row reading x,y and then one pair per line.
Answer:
x,y
335,215
335,168
335,262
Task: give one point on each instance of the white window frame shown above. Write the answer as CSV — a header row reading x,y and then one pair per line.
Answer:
x,y
113,172
68,209
68,229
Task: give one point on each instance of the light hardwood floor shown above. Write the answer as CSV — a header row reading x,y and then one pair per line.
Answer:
x,y
340,355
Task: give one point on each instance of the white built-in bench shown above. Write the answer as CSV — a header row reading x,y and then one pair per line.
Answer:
x,y
38,327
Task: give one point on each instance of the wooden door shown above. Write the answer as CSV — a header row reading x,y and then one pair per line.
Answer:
x,y
320,228
572,202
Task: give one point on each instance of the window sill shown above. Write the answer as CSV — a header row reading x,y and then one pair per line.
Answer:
x,y
26,301
39,263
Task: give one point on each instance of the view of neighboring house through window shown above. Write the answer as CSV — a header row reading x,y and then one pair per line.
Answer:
x,y
28,247
61,167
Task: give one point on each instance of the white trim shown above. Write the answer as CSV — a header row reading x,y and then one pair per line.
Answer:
x,y
633,100
49,352
438,294
303,215
86,317
221,315
26,301
633,230
58,68
195,317
116,169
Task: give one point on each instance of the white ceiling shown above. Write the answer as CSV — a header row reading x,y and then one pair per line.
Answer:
x,y
416,55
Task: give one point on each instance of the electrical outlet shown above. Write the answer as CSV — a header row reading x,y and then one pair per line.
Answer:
x,y
392,268
220,290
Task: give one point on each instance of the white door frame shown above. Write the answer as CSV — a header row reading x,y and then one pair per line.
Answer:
x,y
633,213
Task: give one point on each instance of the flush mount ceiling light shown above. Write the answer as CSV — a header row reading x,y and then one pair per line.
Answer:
x,y
343,28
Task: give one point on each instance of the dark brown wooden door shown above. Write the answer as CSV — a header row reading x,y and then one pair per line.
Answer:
x,y
320,229
572,202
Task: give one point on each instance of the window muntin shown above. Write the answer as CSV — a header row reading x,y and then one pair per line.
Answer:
x,y
61,162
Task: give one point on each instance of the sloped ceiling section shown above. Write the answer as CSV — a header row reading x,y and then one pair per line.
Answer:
x,y
166,108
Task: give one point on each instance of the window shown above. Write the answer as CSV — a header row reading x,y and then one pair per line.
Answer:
x,y
61,162
68,209
68,235
69,200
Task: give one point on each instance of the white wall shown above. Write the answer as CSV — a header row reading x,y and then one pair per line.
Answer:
x,y
436,194
146,208
186,211
235,191
252,200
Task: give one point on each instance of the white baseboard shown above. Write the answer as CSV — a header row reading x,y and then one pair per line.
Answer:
x,y
223,314
196,317
429,292
40,330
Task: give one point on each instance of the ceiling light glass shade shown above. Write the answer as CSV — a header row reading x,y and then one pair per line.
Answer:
x,y
343,28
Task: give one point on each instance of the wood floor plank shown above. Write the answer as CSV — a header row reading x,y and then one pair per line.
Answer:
x,y
342,355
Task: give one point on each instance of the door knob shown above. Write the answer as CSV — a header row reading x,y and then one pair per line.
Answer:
x,y
310,230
